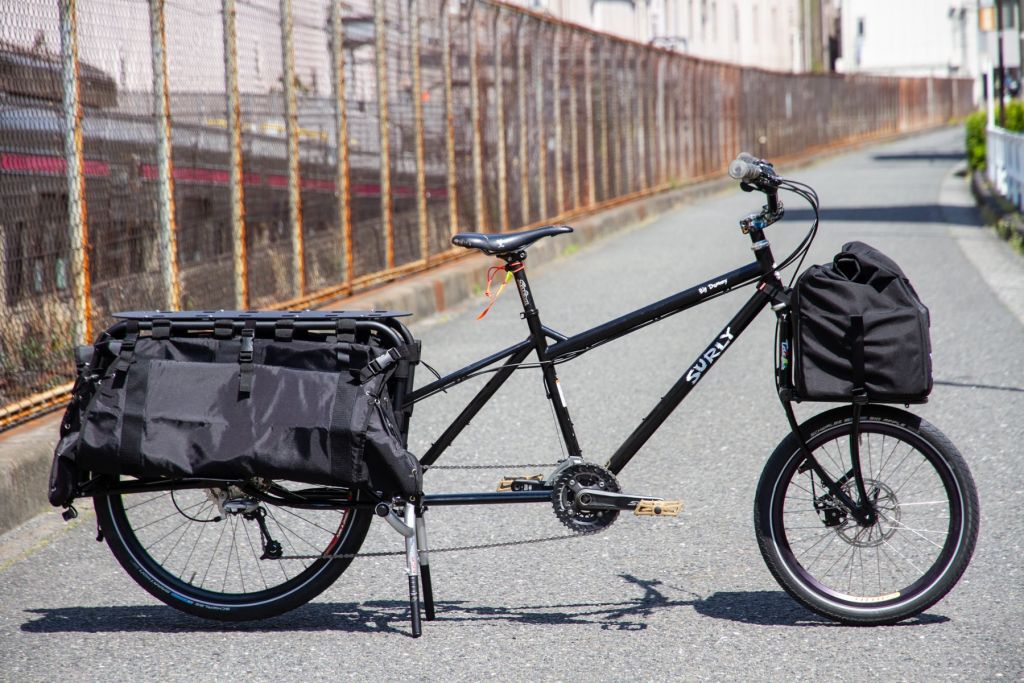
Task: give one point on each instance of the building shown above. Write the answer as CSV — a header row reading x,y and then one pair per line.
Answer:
x,y
909,38
781,35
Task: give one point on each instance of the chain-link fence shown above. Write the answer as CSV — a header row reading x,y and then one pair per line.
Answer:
x,y
255,153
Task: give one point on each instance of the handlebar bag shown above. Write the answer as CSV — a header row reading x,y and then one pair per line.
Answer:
x,y
860,331
316,409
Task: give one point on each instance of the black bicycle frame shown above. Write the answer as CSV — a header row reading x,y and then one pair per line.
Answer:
x,y
564,347
769,290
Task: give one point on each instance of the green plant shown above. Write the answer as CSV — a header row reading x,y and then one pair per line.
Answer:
x,y
975,140
975,131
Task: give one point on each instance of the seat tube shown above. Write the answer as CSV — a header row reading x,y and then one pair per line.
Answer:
x,y
540,343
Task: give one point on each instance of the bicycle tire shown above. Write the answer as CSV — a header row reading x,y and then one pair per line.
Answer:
x,y
149,534
887,572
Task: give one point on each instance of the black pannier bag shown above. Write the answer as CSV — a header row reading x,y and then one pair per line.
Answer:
x,y
307,397
859,332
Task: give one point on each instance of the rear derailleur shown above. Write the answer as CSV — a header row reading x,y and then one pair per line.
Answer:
x,y
250,510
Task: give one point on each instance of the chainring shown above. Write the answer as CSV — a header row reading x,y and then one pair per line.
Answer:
x,y
563,497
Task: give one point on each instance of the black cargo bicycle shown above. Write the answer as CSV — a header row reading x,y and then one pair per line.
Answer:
x,y
865,513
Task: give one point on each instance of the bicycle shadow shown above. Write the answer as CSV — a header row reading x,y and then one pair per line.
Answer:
x,y
764,608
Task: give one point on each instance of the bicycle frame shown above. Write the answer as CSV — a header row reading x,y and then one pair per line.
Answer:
x,y
768,290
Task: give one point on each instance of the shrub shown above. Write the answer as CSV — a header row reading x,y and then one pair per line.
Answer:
x,y
975,140
975,131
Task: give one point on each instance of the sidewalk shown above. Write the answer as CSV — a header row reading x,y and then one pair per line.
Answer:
x,y
26,451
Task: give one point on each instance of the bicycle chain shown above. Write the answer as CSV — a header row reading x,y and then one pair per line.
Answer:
x,y
458,548
490,467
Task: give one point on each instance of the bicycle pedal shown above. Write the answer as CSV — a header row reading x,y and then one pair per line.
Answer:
x,y
658,508
520,483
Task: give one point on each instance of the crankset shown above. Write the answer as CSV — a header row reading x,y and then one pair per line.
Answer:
x,y
587,499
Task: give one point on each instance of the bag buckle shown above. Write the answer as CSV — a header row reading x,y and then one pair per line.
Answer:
x,y
380,363
245,354
383,361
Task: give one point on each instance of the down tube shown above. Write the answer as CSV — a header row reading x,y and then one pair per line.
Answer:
x,y
695,373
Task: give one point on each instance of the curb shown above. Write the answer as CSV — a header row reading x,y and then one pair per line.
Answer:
x,y
25,455
997,211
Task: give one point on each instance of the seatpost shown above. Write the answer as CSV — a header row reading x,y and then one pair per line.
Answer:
x,y
540,343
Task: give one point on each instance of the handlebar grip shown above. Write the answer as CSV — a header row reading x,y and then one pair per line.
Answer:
x,y
741,169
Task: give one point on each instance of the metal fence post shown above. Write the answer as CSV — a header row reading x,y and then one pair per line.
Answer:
x,y
672,123
474,115
629,126
556,72
237,180
291,119
640,139
574,126
417,110
383,123
165,168
499,109
78,227
524,128
542,142
604,112
662,154
449,114
588,115
341,180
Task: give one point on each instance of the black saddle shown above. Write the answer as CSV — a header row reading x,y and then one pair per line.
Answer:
x,y
506,242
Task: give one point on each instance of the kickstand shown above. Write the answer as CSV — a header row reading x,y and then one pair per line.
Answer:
x,y
413,568
424,560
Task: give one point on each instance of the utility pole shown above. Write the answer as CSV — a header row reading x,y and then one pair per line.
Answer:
x,y
1001,82
1020,46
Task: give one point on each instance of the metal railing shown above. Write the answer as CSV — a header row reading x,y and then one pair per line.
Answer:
x,y
1004,157
272,153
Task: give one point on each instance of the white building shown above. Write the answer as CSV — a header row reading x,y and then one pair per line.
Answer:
x,y
782,35
910,37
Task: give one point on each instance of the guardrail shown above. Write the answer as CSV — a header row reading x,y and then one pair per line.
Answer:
x,y
1004,157
276,153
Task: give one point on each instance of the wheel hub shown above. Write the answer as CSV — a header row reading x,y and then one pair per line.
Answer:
x,y
887,516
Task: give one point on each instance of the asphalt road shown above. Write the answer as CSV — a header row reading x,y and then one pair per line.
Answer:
x,y
650,599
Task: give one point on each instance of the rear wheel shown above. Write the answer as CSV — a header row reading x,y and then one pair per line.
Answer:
x,y
220,554
916,551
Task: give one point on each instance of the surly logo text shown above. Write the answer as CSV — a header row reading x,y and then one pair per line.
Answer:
x,y
708,357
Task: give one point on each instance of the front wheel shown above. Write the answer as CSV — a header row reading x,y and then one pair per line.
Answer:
x,y
220,554
893,569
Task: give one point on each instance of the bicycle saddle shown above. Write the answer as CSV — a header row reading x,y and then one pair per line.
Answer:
x,y
503,243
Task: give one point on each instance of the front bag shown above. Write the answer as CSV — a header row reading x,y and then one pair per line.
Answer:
x,y
860,332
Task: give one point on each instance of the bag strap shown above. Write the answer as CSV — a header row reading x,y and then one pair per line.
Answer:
x,y
161,328
860,391
126,354
245,358
284,329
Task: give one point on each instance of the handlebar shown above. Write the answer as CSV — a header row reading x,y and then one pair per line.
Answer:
x,y
748,168
744,170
